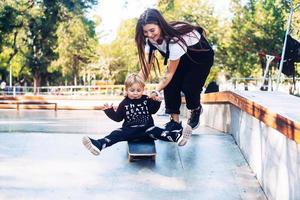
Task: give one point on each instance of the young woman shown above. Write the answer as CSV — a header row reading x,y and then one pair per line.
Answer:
x,y
188,57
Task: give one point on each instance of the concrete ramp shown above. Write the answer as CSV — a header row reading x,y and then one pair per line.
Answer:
x,y
49,165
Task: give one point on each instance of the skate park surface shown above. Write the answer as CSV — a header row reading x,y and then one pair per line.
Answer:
x,y
42,157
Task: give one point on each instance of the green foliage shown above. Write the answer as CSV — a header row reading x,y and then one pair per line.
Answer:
x,y
119,58
52,42
76,48
11,36
256,26
33,26
8,20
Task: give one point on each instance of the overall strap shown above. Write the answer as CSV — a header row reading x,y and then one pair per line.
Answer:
x,y
165,55
200,30
203,41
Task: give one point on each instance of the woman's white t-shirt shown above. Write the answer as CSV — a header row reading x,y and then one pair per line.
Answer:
x,y
176,49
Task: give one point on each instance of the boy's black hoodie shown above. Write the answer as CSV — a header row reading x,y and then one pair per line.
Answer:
x,y
135,112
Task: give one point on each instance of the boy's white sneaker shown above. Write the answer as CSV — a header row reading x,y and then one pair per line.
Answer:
x,y
87,142
186,134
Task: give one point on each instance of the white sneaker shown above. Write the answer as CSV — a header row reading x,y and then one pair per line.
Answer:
x,y
86,141
186,134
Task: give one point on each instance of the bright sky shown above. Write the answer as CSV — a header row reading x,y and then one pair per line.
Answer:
x,y
112,12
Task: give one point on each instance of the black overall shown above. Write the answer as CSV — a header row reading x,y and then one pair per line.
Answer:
x,y
190,76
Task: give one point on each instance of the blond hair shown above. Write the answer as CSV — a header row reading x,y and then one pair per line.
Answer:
x,y
133,79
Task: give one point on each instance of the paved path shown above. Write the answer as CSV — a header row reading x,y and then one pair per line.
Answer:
x,y
41,158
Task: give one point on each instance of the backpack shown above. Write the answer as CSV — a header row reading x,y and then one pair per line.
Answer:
x,y
291,55
212,87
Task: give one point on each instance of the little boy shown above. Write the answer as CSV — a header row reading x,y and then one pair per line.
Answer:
x,y
136,110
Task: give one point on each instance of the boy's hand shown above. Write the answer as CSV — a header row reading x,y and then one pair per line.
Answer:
x,y
107,106
155,95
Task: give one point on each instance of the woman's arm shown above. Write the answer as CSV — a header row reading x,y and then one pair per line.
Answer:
x,y
173,64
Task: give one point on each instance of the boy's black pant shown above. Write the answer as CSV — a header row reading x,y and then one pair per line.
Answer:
x,y
135,133
189,78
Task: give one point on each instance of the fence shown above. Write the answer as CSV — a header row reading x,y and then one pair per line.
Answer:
x,y
107,90
251,84
255,84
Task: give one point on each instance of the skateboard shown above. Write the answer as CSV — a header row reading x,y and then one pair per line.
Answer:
x,y
141,149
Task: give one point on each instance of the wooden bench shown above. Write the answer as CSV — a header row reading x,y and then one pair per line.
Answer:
x,y
18,103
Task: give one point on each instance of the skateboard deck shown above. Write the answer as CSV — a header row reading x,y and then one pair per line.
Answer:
x,y
141,149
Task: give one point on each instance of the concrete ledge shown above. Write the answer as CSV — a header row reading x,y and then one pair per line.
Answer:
x,y
217,116
272,156
266,127
286,123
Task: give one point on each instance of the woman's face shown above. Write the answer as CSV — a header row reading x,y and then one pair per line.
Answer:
x,y
152,31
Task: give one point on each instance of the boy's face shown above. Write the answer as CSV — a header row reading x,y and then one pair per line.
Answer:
x,y
135,91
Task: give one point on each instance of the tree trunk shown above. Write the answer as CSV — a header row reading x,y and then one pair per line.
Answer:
x,y
75,80
75,70
36,82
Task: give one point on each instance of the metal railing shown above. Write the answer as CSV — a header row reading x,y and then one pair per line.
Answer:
x,y
267,84
107,90
251,84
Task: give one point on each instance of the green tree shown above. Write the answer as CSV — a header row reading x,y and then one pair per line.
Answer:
x,y
124,51
38,22
119,58
256,26
12,34
42,37
76,48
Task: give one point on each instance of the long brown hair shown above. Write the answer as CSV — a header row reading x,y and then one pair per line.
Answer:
x,y
169,30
